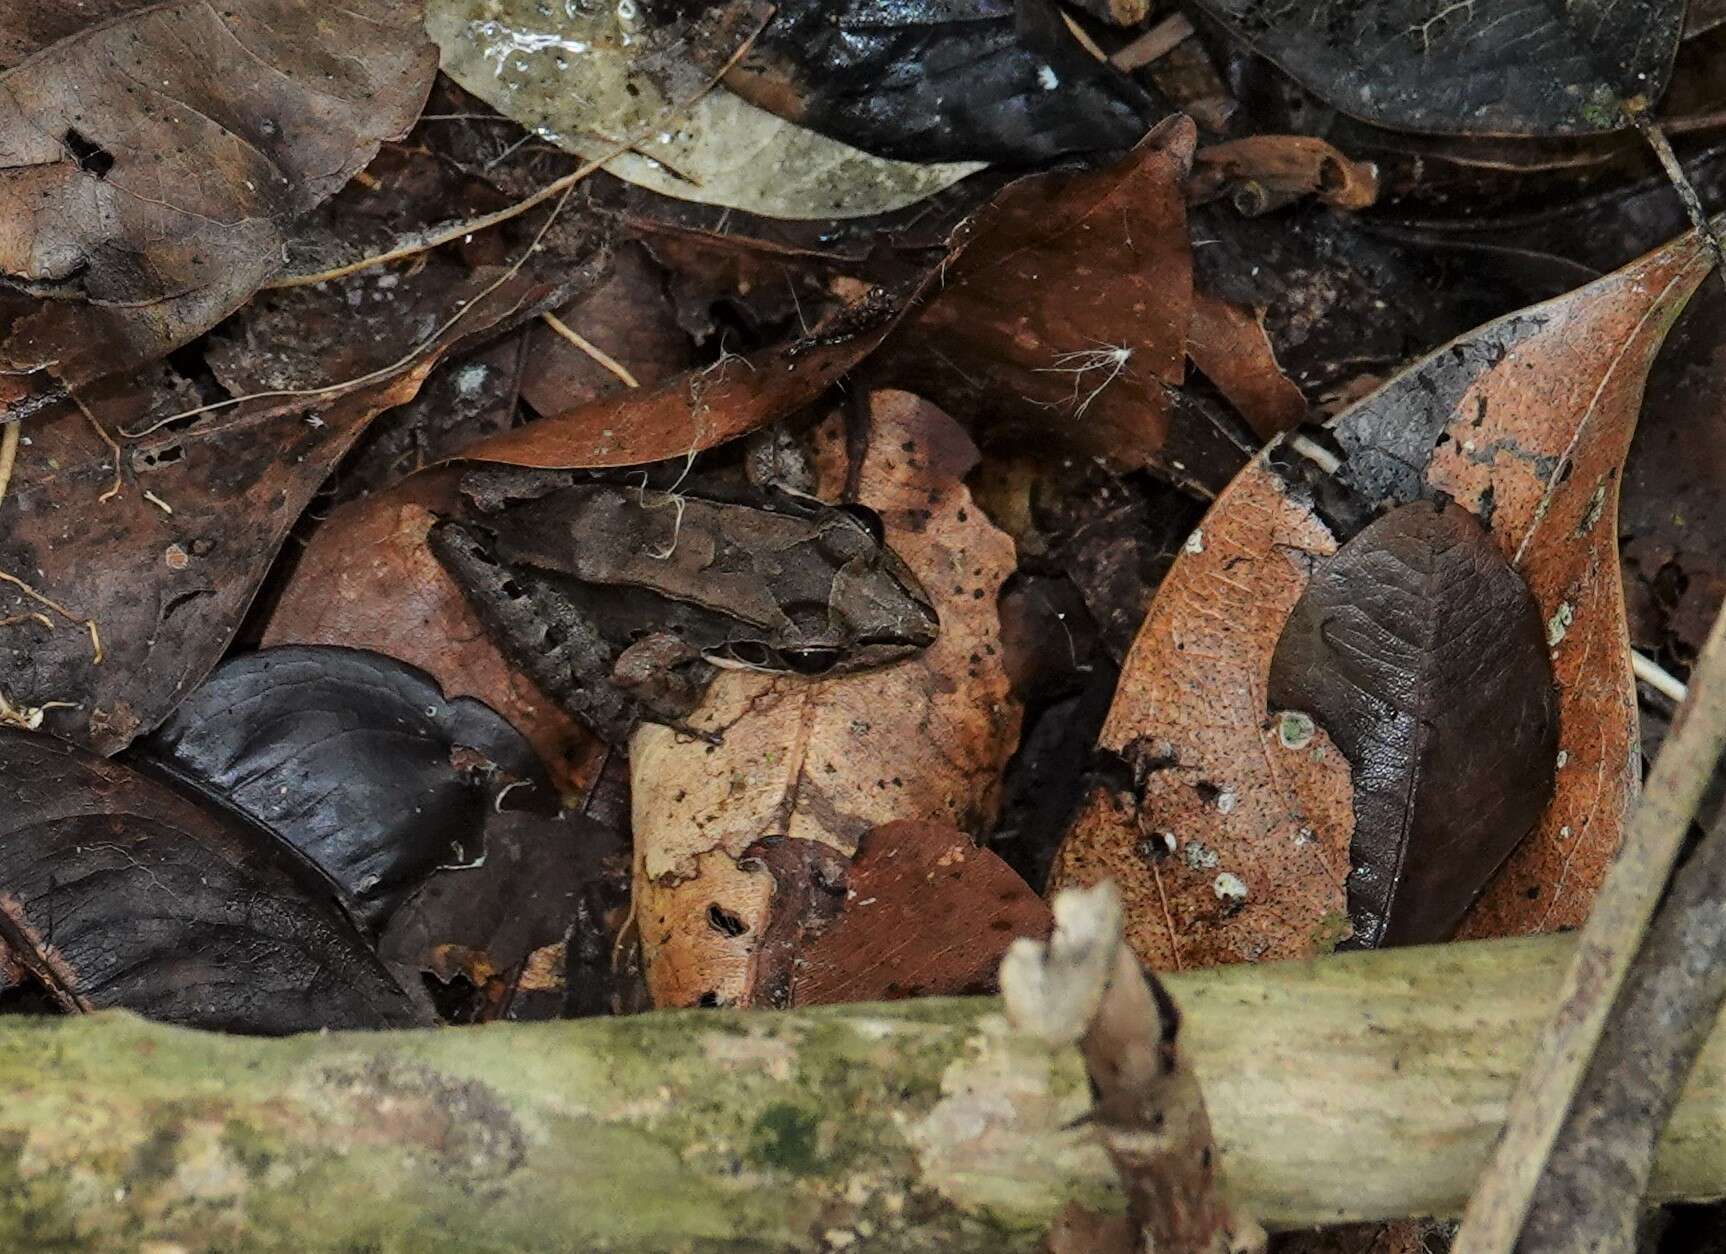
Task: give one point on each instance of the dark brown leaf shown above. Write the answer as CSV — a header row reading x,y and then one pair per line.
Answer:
x,y
485,918
119,890
1439,65
1422,654
1067,313
927,914
152,155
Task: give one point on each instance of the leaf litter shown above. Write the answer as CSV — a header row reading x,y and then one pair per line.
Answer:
x,y
735,533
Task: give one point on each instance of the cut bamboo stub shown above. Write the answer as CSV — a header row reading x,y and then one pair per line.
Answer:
x,y
1354,1087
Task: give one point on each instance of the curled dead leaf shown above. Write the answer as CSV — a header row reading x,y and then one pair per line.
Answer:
x,y
1264,172
700,408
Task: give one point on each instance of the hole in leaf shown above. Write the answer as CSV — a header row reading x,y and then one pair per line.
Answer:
x,y
724,922
91,157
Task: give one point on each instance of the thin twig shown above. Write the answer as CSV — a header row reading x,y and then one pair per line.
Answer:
x,y
1693,208
593,350
8,454
1590,1196
1658,677
382,372
1496,1214
448,235
113,447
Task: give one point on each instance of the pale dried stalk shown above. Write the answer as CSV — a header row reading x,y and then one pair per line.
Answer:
x,y
1494,1220
602,358
1154,44
8,454
1085,984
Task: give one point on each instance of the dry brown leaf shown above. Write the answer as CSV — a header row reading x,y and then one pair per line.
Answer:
x,y
367,581
153,155
1228,829
1227,342
1067,313
1540,441
1227,846
701,408
827,760
927,914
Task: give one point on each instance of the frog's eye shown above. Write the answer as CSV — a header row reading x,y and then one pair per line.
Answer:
x,y
812,661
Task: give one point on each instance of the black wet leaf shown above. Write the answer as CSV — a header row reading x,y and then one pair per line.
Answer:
x,y
355,759
1515,67
1420,651
943,80
119,890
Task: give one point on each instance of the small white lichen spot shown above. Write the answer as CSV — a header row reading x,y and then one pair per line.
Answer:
x,y
1197,856
1563,757
1304,836
1294,729
1195,542
1229,887
1225,802
470,379
1046,76
1564,832
1559,623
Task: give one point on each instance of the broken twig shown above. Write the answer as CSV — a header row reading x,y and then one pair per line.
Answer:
x,y
1084,984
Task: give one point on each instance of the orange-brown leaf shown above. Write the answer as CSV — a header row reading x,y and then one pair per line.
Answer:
x,y
1524,422
927,914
